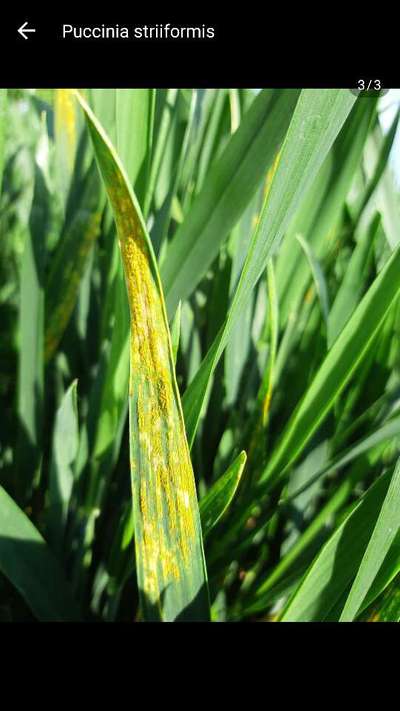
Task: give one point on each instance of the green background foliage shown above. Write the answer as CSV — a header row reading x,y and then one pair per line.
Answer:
x,y
273,224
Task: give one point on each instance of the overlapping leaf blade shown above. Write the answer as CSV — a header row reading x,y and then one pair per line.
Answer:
x,y
385,530
218,498
337,367
230,185
320,589
317,119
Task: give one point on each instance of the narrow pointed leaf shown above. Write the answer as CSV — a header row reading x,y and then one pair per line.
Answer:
x,y
219,497
176,331
65,450
169,550
31,324
217,500
320,589
26,560
337,368
318,276
386,528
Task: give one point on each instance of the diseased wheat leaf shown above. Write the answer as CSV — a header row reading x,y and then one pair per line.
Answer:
x,y
169,551
70,261
134,119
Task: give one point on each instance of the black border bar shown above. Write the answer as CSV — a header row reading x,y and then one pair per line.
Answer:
x,y
246,51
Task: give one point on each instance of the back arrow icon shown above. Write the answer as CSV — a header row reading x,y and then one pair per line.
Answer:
x,y
23,29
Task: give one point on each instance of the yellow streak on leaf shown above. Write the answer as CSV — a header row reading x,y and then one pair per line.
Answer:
x,y
374,618
309,295
266,403
271,173
65,122
71,280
